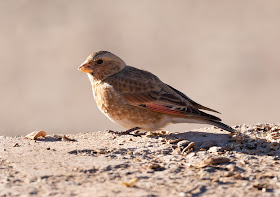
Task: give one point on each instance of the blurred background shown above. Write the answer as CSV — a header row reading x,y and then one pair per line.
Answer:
x,y
222,54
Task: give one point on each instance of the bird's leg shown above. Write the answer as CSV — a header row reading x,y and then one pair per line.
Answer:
x,y
124,132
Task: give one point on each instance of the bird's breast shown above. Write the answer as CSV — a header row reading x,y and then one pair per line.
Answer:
x,y
106,97
113,105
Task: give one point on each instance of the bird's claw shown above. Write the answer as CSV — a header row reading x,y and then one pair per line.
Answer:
x,y
119,132
127,132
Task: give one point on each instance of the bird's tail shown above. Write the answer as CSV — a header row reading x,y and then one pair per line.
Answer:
x,y
221,125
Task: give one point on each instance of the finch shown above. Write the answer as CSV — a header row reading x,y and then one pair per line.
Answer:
x,y
139,100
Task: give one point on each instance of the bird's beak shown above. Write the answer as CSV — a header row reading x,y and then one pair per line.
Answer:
x,y
85,67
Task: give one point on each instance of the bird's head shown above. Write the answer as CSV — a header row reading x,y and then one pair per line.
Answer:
x,y
102,64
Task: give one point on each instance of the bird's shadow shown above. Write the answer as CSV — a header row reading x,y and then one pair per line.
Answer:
x,y
243,142
239,142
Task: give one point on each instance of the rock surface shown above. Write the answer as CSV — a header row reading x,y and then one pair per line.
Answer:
x,y
204,162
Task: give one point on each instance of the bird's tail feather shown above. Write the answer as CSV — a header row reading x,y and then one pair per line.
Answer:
x,y
221,125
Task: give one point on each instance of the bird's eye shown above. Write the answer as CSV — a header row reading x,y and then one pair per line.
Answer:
x,y
99,61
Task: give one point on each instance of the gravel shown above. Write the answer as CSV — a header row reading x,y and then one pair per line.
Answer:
x,y
217,163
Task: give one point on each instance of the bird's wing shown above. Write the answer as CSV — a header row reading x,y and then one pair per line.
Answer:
x,y
143,89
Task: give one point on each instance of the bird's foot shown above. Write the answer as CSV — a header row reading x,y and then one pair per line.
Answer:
x,y
127,132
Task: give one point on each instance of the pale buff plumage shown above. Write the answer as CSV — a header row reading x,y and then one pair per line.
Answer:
x,y
135,98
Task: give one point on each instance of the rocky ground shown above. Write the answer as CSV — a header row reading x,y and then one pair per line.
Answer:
x,y
204,162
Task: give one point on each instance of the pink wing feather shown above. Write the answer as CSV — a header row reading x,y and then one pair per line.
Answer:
x,y
164,109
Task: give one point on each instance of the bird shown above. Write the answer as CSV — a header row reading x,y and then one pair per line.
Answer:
x,y
137,99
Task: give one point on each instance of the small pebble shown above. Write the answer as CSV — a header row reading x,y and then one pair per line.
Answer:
x,y
182,144
215,149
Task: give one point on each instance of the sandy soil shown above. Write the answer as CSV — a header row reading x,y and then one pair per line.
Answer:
x,y
204,162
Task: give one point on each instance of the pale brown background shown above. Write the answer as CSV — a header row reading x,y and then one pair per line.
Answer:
x,y
223,54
